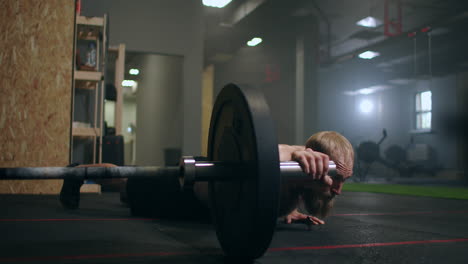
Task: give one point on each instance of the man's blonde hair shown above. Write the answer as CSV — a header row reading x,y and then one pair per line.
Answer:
x,y
336,146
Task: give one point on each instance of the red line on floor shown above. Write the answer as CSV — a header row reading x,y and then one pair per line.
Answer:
x,y
403,213
76,219
370,245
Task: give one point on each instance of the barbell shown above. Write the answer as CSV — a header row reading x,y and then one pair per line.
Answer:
x,y
242,169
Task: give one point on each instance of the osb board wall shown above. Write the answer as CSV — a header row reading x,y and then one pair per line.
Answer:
x,y
36,39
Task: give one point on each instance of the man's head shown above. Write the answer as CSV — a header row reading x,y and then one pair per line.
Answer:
x,y
339,149
316,197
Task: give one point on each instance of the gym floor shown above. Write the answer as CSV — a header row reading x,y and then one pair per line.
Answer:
x,y
364,228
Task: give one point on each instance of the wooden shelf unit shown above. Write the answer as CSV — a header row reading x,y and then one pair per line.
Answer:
x,y
85,132
88,76
119,77
90,79
91,21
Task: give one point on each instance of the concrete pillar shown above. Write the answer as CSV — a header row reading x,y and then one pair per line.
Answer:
x,y
306,88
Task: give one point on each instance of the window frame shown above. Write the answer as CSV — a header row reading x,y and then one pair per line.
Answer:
x,y
418,112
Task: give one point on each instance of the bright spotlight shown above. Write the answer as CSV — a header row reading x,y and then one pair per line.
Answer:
x,y
370,22
366,106
254,42
134,71
216,3
366,91
128,83
131,84
369,55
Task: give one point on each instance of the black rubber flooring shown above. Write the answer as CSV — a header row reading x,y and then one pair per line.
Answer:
x,y
364,228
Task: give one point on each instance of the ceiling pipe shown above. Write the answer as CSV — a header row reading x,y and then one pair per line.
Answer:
x,y
328,25
242,11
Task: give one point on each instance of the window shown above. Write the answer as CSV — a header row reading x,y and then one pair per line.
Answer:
x,y
423,110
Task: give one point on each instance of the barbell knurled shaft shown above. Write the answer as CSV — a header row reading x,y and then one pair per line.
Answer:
x,y
33,173
38,173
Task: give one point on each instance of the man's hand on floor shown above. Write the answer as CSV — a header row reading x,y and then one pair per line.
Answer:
x,y
297,217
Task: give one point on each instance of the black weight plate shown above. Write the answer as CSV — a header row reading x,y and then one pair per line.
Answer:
x,y
158,196
244,210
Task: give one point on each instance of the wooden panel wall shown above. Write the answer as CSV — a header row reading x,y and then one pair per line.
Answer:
x,y
35,88
207,106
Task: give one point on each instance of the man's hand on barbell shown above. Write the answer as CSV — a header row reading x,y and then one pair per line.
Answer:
x,y
313,163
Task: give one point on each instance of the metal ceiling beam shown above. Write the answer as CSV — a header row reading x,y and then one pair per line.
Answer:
x,y
242,11
446,21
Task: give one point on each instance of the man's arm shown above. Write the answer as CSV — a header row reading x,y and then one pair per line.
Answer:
x,y
312,162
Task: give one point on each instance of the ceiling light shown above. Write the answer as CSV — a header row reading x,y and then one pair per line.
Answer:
x,y
368,90
216,3
129,83
254,42
369,55
370,22
134,71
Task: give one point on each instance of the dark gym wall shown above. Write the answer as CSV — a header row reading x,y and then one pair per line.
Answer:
x,y
271,66
250,67
167,27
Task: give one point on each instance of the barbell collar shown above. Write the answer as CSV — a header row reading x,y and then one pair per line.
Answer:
x,y
193,171
203,171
